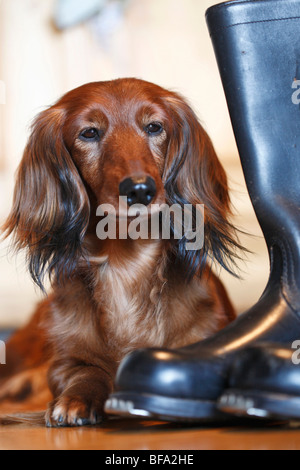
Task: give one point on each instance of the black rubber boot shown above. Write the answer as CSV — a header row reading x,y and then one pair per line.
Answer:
x,y
258,53
264,382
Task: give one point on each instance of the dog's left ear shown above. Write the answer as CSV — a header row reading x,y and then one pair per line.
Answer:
x,y
50,210
194,175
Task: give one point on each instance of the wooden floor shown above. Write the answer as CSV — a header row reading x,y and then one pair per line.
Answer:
x,y
121,434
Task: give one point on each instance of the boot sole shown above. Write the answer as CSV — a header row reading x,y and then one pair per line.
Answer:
x,y
260,404
163,408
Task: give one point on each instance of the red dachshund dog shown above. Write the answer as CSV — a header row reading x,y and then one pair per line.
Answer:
x,y
99,141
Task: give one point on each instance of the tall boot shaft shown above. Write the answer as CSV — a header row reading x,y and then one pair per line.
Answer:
x,y
258,53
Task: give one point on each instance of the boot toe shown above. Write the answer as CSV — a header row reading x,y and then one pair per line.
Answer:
x,y
264,381
167,384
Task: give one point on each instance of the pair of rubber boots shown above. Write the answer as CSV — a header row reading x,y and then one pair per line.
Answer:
x,y
257,48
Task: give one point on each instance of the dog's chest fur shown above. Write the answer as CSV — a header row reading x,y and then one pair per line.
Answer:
x,y
141,307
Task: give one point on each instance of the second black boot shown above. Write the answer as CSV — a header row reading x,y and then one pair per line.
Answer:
x,y
257,49
264,382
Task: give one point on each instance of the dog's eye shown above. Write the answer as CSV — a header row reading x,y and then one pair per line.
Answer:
x,y
91,134
154,128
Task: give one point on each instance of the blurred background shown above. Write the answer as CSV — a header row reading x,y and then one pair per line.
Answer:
x,y
51,46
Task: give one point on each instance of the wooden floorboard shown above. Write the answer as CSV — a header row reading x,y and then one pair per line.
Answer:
x,y
126,434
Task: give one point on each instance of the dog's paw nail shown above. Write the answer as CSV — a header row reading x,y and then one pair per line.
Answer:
x,y
96,418
82,422
60,419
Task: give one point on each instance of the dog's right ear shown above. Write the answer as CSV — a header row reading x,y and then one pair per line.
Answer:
x,y
194,175
50,211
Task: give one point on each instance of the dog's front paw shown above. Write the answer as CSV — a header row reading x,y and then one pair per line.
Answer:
x,y
71,411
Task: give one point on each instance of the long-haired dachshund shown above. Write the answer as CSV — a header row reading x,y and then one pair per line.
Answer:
x,y
123,137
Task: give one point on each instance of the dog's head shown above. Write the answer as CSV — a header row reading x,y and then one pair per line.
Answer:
x,y
124,137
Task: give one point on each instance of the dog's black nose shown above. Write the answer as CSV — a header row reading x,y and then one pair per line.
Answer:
x,y
138,190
